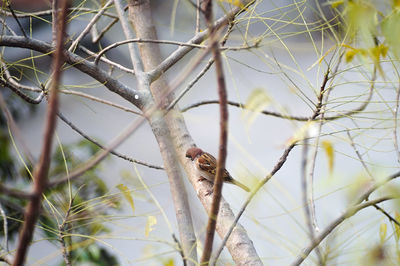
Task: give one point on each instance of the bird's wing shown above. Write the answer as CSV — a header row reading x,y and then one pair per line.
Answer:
x,y
207,163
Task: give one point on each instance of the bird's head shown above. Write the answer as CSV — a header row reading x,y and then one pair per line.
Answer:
x,y
193,153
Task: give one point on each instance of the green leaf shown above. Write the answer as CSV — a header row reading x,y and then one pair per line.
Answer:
x,y
127,194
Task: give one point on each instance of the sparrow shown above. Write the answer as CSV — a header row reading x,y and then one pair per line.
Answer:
x,y
207,165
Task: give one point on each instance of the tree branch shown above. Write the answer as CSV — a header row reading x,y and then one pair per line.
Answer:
x,y
142,21
321,236
174,57
223,137
138,98
122,156
40,173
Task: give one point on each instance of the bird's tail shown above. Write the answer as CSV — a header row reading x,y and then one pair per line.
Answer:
x,y
237,183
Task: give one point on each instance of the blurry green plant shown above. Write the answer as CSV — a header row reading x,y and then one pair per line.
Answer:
x,y
79,207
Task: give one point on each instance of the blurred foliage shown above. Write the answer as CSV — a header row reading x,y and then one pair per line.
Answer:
x,y
373,26
85,200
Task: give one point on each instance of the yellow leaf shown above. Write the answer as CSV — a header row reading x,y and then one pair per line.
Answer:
x,y
151,221
169,262
396,227
350,54
127,194
255,103
382,232
237,3
396,3
330,154
335,4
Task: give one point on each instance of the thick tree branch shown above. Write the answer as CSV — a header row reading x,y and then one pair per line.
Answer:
x,y
138,98
142,21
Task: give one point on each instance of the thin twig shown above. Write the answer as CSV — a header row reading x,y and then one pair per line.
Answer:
x,y
321,236
191,84
138,40
241,105
99,156
41,169
104,31
16,18
276,168
2,21
391,218
202,72
137,64
96,17
61,234
99,100
107,61
353,145
122,156
197,39
49,11
305,196
11,80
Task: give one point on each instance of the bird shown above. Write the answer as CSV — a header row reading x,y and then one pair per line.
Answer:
x,y
207,165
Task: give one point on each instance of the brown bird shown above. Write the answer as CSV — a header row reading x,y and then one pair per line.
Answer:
x,y
207,165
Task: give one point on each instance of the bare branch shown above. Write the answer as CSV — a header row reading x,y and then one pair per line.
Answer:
x,y
107,61
2,21
42,13
105,30
197,39
321,236
41,170
122,156
89,26
16,18
141,18
191,84
240,105
223,137
80,170
99,100
137,64
138,98
234,224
